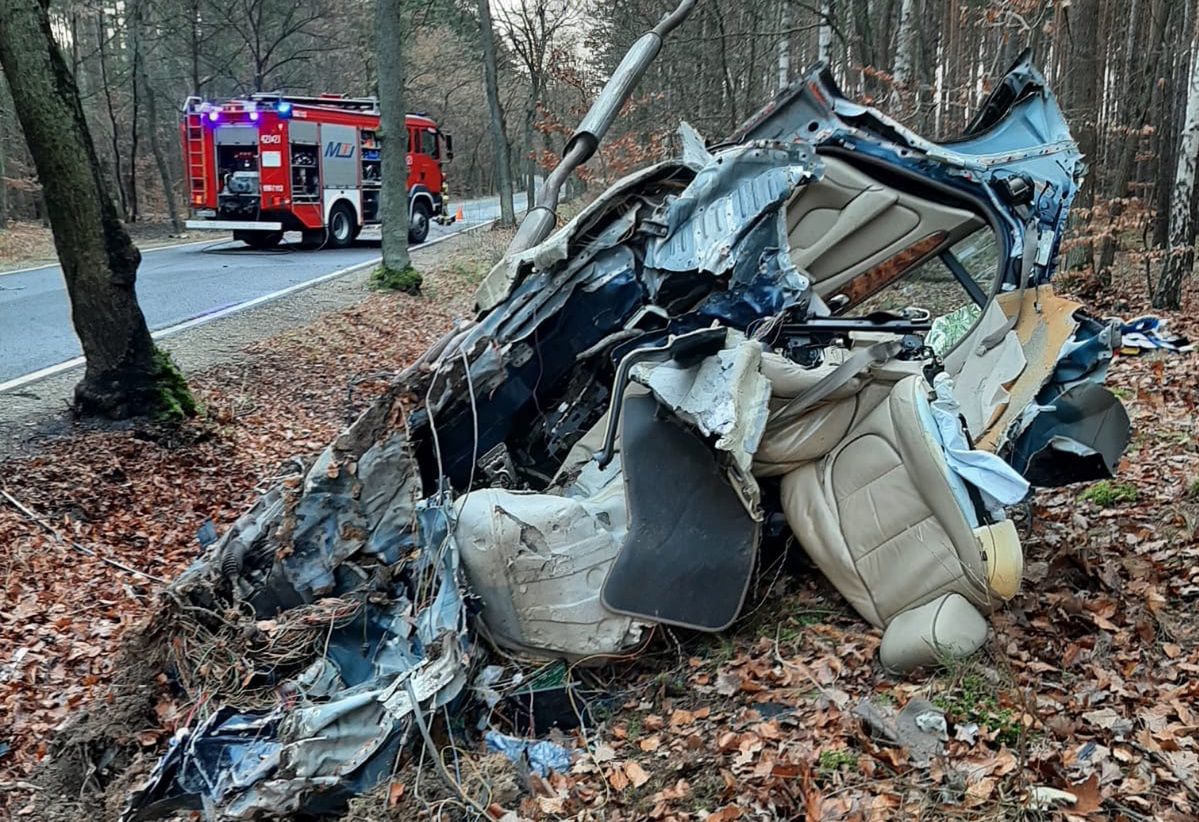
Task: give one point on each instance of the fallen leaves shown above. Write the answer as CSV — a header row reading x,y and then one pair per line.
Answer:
x,y
1088,797
1088,693
140,495
636,774
395,792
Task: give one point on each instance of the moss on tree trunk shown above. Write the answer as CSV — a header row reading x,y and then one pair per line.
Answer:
x,y
408,279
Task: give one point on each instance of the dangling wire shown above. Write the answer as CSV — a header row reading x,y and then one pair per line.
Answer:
x,y
474,413
431,747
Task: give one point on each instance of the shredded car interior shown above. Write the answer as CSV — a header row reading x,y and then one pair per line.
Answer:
x,y
823,331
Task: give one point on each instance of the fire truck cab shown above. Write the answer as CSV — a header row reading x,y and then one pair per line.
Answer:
x,y
267,163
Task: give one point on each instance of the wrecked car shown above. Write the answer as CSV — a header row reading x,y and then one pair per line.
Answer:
x,y
824,327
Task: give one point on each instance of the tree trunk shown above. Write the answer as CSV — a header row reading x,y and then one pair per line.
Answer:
x,y
784,48
530,163
824,33
133,37
499,135
1168,117
3,158
1139,100
142,78
124,374
901,74
102,52
194,43
1180,255
1084,103
393,203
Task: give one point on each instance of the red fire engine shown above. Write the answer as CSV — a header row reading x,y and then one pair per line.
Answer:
x,y
269,163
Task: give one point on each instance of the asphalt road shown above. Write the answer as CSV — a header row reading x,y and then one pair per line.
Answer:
x,y
176,284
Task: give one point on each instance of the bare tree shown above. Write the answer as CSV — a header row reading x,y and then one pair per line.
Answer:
x,y
125,375
275,35
107,85
901,74
499,133
824,49
784,47
149,94
532,27
3,158
393,128
133,48
1083,105
1138,85
1180,254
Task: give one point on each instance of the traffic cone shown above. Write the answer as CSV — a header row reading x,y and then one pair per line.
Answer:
x,y
458,215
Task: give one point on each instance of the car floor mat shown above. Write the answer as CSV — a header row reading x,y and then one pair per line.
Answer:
x,y
690,549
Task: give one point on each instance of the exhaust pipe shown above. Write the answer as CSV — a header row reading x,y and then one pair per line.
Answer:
x,y
540,220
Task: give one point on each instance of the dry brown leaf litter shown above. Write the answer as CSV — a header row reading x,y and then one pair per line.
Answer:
x,y
1089,685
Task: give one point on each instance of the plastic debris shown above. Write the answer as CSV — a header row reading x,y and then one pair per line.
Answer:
x,y
1044,798
1148,333
967,732
542,756
933,722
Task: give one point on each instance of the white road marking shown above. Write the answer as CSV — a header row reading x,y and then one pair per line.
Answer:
x,y
144,252
51,370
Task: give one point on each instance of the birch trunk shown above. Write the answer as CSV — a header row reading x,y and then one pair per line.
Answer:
x,y
1180,255
784,47
901,74
824,33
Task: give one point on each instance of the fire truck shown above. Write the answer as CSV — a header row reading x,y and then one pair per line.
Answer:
x,y
268,163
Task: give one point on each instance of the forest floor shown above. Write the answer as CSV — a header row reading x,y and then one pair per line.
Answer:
x,y
27,244
1090,684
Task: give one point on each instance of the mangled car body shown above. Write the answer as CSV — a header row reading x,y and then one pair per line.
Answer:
x,y
825,327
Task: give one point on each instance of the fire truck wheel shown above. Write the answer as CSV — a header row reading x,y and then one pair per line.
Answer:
x,y
259,239
418,224
341,226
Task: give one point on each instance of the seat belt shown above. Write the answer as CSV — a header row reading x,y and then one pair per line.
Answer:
x,y
858,362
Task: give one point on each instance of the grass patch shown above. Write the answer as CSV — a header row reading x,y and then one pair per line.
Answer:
x,y
974,698
1193,489
835,760
1106,493
407,280
721,649
471,272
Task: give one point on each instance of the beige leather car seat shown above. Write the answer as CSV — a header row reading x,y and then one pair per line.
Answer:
x,y
787,444
894,530
537,561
